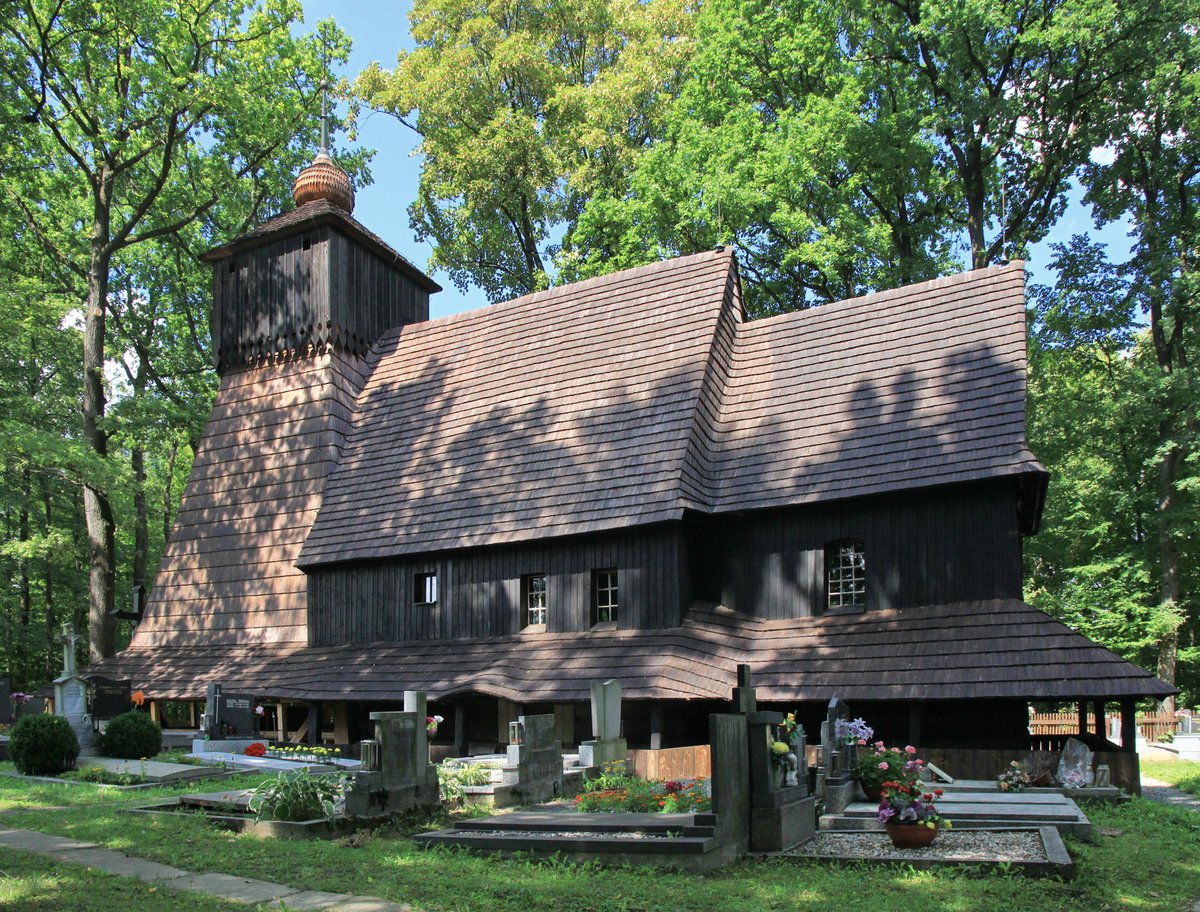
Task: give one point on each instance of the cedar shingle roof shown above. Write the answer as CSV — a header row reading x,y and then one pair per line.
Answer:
x,y
627,399
562,412
992,649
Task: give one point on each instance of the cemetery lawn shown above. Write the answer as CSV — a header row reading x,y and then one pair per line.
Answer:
x,y
1183,774
38,883
1148,857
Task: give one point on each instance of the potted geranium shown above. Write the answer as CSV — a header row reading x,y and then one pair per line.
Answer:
x,y
909,814
882,764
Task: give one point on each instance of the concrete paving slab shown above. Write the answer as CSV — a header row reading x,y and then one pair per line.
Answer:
x,y
371,904
236,889
150,770
119,863
312,901
32,841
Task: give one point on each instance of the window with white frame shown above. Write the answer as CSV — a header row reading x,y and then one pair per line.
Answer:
x,y
533,597
604,595
845,574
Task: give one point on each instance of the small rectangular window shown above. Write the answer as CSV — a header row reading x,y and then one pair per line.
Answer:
x,y
604,596
534,598
425,588
846,574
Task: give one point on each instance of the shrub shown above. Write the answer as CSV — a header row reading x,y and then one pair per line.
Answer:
x,y
452,778
131,736
43,745
296,795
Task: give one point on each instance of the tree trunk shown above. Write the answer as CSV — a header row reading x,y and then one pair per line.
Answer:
x,y
48,586
97,510
24,597
168,497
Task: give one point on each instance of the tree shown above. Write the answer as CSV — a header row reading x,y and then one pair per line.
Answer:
x,y
846,146
1152,179
524,110
138,119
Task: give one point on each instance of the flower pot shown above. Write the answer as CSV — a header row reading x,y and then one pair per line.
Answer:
x,y
873,792
910,835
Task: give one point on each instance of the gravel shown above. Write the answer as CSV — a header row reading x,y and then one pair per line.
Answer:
x,y
968,845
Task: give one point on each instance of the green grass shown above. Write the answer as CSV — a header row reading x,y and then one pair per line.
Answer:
x,y
1183,774
1154,863
37,883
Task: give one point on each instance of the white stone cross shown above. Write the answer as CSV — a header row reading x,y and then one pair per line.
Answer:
x,y
69,638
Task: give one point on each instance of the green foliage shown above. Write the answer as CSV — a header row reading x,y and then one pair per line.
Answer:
x,y
623,794
43,745
452,777
132,736
524,109
613,775
296,795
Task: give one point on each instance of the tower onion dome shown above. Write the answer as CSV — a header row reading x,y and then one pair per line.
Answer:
x,y
324,180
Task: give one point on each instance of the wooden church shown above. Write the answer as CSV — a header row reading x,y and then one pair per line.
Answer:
x,y
620,478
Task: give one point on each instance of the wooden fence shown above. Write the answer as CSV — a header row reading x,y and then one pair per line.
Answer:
x,y
690,762
1152,725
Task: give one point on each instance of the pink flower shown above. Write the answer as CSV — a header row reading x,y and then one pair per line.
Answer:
x,y
910,750
862,742
878,745
883,765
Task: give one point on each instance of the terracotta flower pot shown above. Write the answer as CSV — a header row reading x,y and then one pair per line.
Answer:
x,y
910,835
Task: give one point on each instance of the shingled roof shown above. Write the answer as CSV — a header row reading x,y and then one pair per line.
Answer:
x,y
631,398
992,649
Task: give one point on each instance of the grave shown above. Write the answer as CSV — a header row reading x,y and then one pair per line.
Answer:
x,y
71,691
782,813
607,745
6,708
151,771
534,766
835,784
230,723
396,775
108,698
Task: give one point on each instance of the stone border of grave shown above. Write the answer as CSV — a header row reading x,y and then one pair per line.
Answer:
x,y
1057,863
141,786
263,829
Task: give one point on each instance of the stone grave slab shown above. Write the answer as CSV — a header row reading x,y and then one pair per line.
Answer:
x,y
229,800
150,770
260,764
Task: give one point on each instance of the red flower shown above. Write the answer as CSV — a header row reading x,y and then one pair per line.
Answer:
x,y
257,749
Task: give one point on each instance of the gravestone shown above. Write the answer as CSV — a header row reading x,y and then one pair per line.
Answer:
x,y
6,710
781,815
229,715
403,778
835,783
607,745
108,698
534,764
70,691
730,786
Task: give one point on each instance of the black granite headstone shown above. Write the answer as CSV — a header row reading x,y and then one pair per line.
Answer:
x,y
230,715
6,710
109,698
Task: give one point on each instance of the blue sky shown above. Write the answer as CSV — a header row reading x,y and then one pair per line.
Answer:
x,y
380,29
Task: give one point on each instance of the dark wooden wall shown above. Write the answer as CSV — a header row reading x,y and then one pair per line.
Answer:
x,y
316,287
480,589
949,544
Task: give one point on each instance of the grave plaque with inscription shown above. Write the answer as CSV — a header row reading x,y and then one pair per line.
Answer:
x,y
109,698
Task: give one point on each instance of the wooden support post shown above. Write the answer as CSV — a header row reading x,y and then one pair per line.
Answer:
x,y
314,723
281,731
1129,726
915,712
1083,728
1098,721
460,728
656,726
156,712
193,721
341,727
